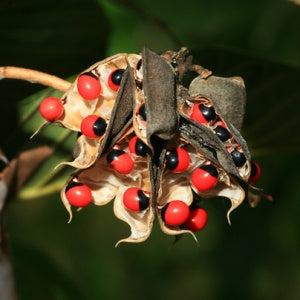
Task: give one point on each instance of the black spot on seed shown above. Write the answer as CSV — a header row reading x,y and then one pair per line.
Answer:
x,y
172,159
238,158
113,154
72,184
116,76
211,170
143,200
99,126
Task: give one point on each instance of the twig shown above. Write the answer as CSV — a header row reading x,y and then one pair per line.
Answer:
x,y
35,77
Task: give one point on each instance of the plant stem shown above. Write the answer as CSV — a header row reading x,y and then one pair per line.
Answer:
x,y
34,76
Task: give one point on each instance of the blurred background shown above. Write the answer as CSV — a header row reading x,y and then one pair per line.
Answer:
x,y
255,258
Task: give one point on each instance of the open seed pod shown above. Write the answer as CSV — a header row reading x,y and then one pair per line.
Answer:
x,y
217,112
98,105
152,145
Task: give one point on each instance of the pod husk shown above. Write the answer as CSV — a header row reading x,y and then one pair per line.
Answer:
x,y
207,143
159,84
227,95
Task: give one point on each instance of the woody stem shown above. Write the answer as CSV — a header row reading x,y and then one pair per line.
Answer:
x,y
35,77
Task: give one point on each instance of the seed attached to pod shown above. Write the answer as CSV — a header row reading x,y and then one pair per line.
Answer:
x,y
51,108
205,178
177,160
222,132
88,86
202,113
78,194
175,213
142,112
255,172
137,147
196,220
114,79
120,161
238,157
93,126
135,199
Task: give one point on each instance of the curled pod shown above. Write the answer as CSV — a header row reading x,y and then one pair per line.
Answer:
x,y
172,154
229,107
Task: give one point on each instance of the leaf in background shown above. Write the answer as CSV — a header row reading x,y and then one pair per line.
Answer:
x,y
265,28
57,37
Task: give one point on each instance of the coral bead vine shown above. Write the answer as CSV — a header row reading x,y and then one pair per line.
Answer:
x,y
154,146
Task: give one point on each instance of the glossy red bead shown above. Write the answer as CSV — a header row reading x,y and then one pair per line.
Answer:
x,y
135,199
120,161
205,178
197,219
88,86
255,172
137,146
202,114
51,108
175,213
177,160
78,194
93,126
114,79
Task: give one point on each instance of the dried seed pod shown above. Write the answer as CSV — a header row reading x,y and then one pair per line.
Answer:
x,y
151,144
208,91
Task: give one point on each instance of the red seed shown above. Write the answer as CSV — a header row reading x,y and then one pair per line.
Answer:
x,y
114,79
135,199
196,220
120,161
205,178
79,195
175,212
255,172
51,108
93,126
88,87
177,160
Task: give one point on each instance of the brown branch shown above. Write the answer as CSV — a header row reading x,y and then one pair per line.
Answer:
x,y
35,77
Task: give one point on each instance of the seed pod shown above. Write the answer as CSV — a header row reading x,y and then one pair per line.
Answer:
x,y
153,145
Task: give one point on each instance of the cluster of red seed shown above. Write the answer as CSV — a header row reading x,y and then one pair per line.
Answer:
x,y
204,113
203,178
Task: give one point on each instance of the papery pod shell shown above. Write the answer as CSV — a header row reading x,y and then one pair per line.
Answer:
x,y
106,185
227,95
228,98
207,143
118,115
160,100
159,85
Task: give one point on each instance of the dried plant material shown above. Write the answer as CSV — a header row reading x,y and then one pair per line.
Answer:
x,y
153,146
34,77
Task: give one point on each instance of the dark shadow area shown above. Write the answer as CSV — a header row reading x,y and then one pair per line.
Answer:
x,y
57,37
